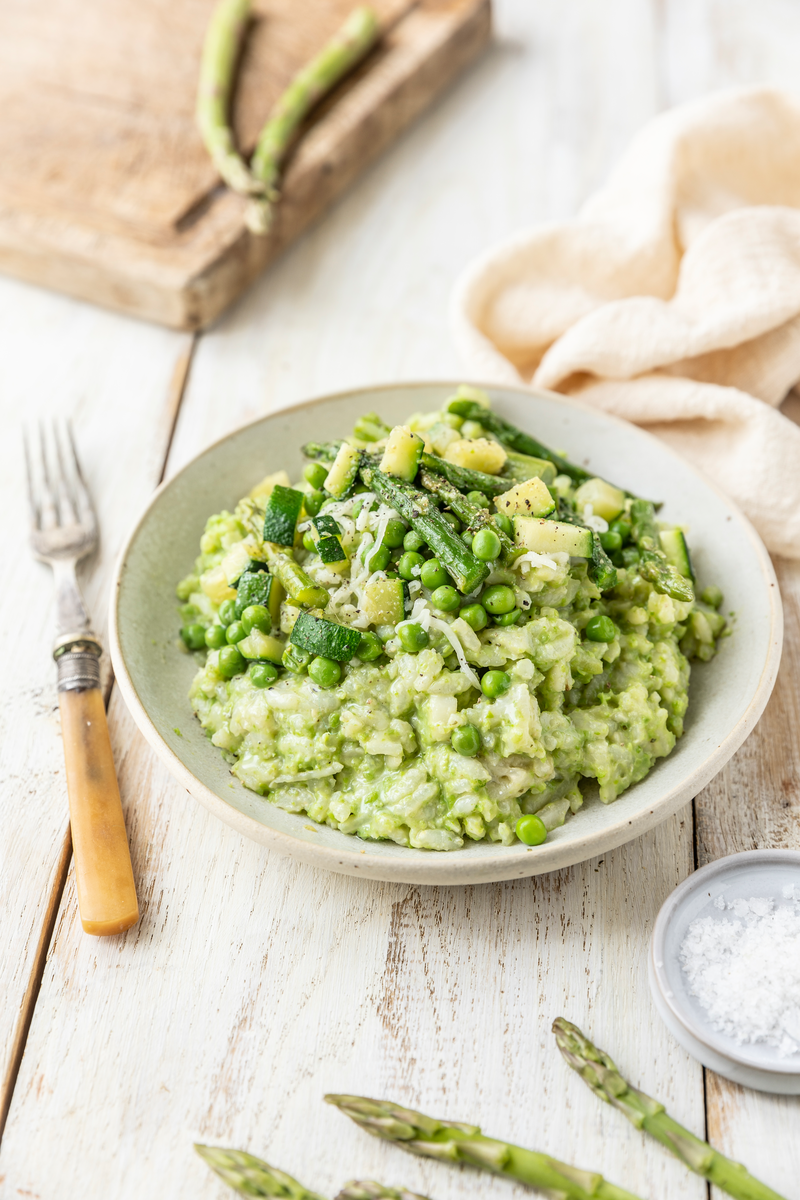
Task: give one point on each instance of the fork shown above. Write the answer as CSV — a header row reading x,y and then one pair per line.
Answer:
x,y
63,531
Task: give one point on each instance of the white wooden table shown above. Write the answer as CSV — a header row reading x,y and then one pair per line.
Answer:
x,y
252,985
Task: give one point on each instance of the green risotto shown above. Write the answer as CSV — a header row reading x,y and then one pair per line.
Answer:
x,y
441,632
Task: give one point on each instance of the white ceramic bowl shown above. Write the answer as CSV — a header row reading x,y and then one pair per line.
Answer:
x,y
761,873
727,695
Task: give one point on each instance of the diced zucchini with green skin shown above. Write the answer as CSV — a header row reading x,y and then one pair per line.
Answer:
x,y
330,550
327,638
402,454
254,587
673,543
529,499
280,518
550,537
343,472
384,601
325,525
262,646
606,500
520,467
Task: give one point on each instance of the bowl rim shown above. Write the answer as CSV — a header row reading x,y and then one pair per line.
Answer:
x,y
506,862
671,907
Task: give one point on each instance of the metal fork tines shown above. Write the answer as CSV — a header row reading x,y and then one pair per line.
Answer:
x,y
63,531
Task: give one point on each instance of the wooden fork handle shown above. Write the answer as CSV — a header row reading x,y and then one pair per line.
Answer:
x,y
106,890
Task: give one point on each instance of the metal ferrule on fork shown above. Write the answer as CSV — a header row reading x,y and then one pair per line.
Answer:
x,y
78,660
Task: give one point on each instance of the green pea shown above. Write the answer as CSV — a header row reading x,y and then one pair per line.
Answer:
x,y
623,528
315,473
395,534
324,672
531,830
410,564
475,616
370,647
600,629
215,637
235,632
379,559
262,674
452,521
309,542
295,659
413,637
227,612
433,574
313,502
611,540
509,618
504,523
231,662
256,616
466,740
712,595
486,545
446,598
495,683
413,540
478,499
194,636
630,556
498,599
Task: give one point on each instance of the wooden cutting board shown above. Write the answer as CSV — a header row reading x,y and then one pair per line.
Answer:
x,y
106,191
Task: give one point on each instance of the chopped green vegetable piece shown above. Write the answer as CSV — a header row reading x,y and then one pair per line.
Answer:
x,y
325,638
254,587
299,587
281,516
465,478
344,472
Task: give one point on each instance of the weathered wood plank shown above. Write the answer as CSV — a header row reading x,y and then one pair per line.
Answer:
x,y
111,377
755,801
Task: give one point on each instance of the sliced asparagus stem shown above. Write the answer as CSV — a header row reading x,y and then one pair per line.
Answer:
x,y
345,49
369,1190
514,438
298,586
465,478
420,511
252,1176
473,517
598,1071
450,1141
653,564
321,451
221,50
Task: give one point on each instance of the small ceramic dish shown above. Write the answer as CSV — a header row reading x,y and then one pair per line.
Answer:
x,y
755,873
726,699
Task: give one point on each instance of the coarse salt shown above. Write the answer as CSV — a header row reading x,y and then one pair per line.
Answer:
x,y
745,972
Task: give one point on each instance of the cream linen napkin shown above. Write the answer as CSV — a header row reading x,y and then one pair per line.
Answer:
x,y
672,300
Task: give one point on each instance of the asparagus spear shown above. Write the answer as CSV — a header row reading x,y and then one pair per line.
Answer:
x,y
600,1073
420,511
465,478
252,1176
220,54
298,586
653,564
450,1141
369,1190
514,438
345,49
474,518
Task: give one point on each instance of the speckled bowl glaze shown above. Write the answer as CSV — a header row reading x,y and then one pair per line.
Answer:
x,y
737,877
727,695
